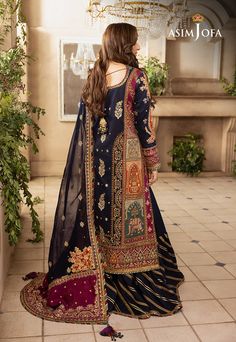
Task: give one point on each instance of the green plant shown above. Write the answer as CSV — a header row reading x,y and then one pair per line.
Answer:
x,y
187,155
157,74
230,88
15,114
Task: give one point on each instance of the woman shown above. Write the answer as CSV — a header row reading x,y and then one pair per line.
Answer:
x,y
109,250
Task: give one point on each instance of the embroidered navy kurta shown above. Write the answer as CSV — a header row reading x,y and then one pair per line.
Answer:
x,y
122,156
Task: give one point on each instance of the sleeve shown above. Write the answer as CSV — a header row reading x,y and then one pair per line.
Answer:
x,y
143,122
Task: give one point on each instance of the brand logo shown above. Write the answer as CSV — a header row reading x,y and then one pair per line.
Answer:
x,y
197,18
200,32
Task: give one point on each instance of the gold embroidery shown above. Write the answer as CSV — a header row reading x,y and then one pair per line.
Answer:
x,y
145,84
117,172
101,168
101,203
119,109
151,156
133,149
103,137
134,182
102,125
81,260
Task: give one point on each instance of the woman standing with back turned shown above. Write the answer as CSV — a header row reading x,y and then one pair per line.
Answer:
x,y
109,249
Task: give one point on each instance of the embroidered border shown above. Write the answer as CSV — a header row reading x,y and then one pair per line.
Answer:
x,y
151,158
33,302
116,205
89,174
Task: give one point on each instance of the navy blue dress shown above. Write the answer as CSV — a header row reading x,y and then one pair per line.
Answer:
x,y
140,290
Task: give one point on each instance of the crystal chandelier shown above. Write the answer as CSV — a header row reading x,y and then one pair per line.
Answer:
x,y
81,62
151,17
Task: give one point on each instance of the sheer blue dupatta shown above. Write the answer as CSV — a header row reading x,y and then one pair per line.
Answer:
x,y
74,286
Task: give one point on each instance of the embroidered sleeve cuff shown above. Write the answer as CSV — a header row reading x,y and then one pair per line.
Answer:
x,y
152,158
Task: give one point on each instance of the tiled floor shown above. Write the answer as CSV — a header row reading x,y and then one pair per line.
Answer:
x,y
200,217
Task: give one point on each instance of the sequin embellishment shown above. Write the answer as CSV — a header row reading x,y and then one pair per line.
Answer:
x,y
101,203
119,109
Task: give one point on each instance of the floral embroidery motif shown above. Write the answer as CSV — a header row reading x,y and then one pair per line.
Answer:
x,y
81,260
145,84
118,109
101,203
101,168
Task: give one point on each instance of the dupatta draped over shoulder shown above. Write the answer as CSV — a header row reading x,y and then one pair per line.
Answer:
x,y
82,249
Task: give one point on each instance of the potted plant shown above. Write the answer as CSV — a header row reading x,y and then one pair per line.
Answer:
x,y
15,114
187,154
157,74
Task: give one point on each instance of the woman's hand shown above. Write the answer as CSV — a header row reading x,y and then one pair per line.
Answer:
x,y
152,176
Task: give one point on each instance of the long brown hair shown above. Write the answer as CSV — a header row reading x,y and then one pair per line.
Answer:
x,y
117,43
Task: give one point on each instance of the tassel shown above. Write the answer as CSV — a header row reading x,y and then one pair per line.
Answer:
x,y
30,275
109,331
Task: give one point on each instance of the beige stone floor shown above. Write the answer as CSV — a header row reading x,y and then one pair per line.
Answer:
x,y
200,217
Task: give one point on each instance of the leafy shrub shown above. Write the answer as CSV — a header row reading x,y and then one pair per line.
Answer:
x,y
157,74
15,114
187,155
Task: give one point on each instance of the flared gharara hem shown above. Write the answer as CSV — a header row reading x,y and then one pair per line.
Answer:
x,y
177,308
148,293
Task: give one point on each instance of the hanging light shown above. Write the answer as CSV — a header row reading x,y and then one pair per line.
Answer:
x,y
149,16
82,61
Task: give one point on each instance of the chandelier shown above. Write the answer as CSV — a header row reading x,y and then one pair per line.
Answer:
x,y
79,63
151,17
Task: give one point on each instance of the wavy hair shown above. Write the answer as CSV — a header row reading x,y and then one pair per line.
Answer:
x,y
117,42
